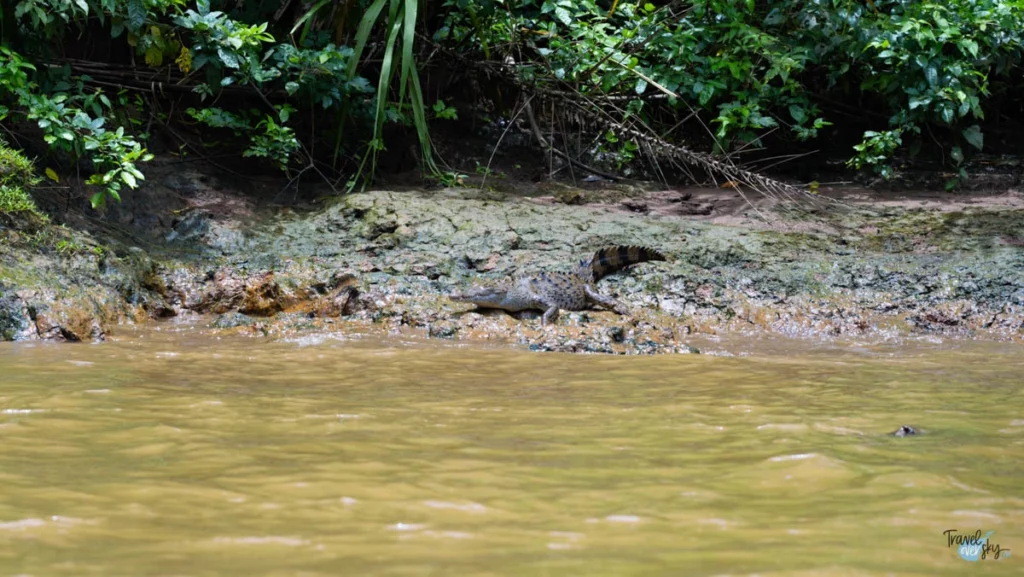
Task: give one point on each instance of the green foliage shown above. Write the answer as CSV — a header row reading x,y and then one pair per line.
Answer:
x,y
875,150
275,142
320,75
43,14
15,201
93,125
17,173
400,22
450,179
268,139
68,128
442,110
118,154
933,63
748,67
745,68
226,42
623,151
15,169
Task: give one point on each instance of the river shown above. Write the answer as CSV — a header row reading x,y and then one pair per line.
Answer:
x,y
171,451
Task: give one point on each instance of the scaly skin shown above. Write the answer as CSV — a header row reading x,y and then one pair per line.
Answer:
x,y
553,291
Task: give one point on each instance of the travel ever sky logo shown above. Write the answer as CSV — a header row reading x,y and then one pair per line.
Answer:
x,y
974,546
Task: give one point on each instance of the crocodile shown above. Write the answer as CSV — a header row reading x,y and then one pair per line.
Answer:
x,y
553,291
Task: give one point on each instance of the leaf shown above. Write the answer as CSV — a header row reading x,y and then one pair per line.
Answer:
x,y
363,34
52,175
970,45
309,14
83,5
128,179
96,200
291,87
947,114
932,75
136,11
563,15
228,58
154,56
408,65
956,154
974,136
641,86
798,114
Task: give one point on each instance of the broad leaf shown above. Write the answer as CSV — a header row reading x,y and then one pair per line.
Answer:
x,y
974,136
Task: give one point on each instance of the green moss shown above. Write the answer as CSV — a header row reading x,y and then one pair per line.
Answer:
x,y
775,243
916,231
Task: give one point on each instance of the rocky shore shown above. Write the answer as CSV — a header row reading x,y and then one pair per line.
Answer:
x,y
877,267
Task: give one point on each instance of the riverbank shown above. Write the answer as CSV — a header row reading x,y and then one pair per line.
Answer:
x,y
877,266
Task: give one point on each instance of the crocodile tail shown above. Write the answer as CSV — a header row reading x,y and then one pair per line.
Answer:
x,y
615,258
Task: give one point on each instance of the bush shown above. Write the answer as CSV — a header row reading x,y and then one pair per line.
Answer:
x,y
910,72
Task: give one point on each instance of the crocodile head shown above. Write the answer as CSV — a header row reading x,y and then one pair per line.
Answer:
x,y
482,296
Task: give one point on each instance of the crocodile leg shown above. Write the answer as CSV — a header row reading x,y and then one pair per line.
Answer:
x,y
607,302
550,315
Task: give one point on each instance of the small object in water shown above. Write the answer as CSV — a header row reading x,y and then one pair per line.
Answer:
x,y
905,431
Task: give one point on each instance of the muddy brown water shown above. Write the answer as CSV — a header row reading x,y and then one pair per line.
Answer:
x,y
174,452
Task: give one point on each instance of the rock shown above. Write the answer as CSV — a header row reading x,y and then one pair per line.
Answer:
x,y
443,330
263,296
231,320
15,324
